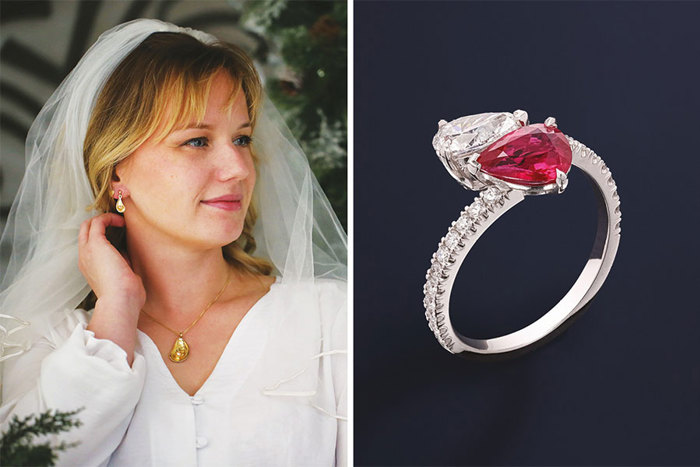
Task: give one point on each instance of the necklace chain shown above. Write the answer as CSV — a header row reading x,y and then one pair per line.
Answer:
x,y
181,333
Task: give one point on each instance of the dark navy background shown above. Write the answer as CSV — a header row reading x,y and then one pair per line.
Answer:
x,y
622,385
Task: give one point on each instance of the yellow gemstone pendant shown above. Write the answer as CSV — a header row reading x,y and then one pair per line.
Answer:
x,y
180,350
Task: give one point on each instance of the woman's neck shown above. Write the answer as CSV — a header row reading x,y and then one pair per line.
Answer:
x,y
178,281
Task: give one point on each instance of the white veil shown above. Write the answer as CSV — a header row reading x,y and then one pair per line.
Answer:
x,y
296,228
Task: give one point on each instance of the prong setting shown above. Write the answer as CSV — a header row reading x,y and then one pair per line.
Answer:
x,y
562,181
520,117
472,165
550,122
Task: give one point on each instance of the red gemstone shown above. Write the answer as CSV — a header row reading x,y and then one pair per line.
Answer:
x,y
529,156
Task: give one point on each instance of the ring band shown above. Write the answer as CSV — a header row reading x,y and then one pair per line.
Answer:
x,y
461,145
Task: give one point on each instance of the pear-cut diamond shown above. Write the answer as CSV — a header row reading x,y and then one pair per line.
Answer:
x,y
466,134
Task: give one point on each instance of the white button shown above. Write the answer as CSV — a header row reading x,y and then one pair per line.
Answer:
x,y
197,400
201,442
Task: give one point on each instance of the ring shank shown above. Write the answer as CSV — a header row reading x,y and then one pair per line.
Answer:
x,y
586,286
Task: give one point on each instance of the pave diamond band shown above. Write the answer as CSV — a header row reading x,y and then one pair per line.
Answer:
x,y
495,199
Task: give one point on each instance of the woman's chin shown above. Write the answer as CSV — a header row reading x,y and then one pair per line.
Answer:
x,y
213,235
226,237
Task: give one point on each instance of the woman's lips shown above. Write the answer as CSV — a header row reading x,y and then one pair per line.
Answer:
x,y
227,203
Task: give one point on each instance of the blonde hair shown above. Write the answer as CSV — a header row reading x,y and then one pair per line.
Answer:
x,y
161,85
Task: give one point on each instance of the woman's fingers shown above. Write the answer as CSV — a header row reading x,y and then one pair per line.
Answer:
x,y
99,260
99,224
83,235
92,240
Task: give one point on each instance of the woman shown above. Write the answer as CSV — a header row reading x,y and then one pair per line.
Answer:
x,y
213,272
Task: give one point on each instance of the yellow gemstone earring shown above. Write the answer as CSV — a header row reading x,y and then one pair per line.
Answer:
x,y
120,205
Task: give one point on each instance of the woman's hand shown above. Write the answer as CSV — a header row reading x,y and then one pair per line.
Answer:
x,y
120,292
107,271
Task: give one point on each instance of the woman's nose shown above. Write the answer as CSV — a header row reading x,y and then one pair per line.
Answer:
x,y
233,162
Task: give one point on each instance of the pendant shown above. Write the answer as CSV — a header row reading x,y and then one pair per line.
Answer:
x,y
180,350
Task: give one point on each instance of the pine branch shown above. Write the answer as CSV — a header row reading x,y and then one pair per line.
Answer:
x,y
16,446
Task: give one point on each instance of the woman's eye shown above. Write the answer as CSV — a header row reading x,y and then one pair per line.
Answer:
x,y
196,142
243,140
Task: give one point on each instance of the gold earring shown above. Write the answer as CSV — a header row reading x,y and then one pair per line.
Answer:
x,y
120,205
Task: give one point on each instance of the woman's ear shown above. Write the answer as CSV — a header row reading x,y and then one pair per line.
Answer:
x,y
117,185
117,189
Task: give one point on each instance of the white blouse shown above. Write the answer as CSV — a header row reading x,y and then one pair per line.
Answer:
x,y
277,396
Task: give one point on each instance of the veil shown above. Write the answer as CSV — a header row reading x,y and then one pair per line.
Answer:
x,y
296,229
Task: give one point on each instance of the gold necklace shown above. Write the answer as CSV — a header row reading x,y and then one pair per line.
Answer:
x,y
181,349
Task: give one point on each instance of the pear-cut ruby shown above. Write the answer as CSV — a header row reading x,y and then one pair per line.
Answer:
x,y
528,156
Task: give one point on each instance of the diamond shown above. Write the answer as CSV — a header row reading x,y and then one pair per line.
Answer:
x,y
442,256
437,142
463,224
476,209
491,194
528,156
432,280
465,134
451,239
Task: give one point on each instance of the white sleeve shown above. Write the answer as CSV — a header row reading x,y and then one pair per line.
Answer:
x,y
72,369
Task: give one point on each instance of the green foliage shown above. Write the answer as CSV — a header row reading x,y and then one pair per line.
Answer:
x,y
16,444
311,38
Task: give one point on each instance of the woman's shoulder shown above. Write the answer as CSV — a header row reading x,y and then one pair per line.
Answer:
x,y
311,301
329,293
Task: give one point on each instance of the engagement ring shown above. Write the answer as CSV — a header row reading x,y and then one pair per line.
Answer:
x,y
505,158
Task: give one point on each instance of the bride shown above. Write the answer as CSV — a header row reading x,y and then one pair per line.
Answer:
x,y
196,310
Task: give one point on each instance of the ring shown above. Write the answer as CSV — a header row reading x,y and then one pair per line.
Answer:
x,y
505,158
